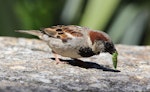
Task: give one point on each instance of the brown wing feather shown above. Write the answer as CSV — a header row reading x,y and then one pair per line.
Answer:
x,y
61,31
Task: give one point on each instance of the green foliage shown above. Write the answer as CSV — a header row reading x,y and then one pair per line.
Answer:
x,y
98,13
37,13
123,20
126,21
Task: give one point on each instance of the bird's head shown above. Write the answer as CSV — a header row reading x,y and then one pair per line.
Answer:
x,y
102,42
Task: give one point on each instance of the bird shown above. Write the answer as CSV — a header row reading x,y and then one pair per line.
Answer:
x,y
74,41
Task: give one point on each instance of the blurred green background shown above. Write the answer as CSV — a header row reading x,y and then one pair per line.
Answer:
x,y
126,21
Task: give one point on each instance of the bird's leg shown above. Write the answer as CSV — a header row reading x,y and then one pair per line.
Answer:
x,y
57,59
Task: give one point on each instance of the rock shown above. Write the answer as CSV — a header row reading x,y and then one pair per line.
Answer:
x,y
27,65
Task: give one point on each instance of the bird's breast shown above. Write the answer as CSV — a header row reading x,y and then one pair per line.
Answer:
x,y
71,48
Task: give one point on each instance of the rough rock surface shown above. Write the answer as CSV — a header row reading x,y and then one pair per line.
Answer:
x,y
27,65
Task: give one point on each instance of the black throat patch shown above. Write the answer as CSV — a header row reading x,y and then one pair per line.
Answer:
x,y
86,52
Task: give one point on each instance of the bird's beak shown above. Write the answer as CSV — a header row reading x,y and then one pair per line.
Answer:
x,y
112,51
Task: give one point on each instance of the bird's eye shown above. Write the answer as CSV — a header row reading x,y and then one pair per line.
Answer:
x,y
108,45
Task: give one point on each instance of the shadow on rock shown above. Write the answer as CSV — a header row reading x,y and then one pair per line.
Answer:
x,y
87,65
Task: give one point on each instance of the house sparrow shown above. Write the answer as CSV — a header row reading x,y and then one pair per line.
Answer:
x,y
74,41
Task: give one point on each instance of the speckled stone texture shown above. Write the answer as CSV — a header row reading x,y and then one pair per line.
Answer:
x,y
27,65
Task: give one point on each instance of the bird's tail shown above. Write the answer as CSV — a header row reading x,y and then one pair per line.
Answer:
x,y
32,32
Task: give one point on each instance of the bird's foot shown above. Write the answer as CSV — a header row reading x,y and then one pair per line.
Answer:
x,y
60,62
